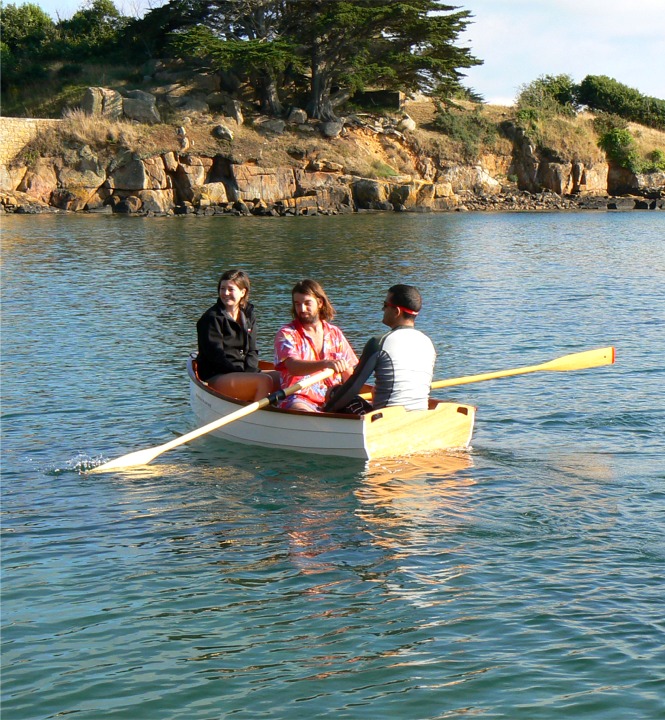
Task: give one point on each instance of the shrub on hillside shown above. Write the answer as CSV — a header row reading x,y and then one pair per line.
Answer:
x,y
619,146
471,129
547,96
655,161
602,93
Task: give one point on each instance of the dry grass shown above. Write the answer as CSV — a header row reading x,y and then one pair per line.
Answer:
x,y
79,127
360,151
647,139
572,138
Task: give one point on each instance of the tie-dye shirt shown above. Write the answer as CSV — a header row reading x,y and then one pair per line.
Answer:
x,y
291,341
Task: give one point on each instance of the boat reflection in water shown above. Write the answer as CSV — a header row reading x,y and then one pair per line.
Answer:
x,y
400,499
408,506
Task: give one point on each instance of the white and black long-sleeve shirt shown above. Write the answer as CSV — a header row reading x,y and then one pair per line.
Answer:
x,y
402,362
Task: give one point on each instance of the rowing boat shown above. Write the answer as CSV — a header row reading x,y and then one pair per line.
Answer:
x,y
389,432
385,433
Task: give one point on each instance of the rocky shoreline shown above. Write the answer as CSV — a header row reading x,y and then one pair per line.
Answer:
x,y
20,203
195,181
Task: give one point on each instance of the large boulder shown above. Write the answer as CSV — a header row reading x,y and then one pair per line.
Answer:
x,y
155,172
297,116
415,194
137,174
74,199
159,202
590,179
308,182
141,106
191,174
405,194
214,192
171,162
102,102
10,177
367,192
470,179
555,176
74,179
269,184
40,180
83,176
221,132
332,128
406,124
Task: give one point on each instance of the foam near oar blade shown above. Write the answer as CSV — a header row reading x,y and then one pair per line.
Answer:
x,y
143,457
575,361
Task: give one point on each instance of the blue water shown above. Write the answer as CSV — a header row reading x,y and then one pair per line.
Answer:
x,y
523,579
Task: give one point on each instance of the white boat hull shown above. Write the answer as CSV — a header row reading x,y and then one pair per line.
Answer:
x,y
390,432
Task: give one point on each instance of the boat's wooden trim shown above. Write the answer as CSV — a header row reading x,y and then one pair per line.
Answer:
x,y
395,431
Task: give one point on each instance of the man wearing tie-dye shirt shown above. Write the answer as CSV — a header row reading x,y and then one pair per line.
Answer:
x,y
309,344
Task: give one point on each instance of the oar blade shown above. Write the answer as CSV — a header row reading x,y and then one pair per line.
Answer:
x,y
133,459
583,360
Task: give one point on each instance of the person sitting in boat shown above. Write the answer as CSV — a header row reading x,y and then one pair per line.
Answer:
x,y
402,361
311,343
228,358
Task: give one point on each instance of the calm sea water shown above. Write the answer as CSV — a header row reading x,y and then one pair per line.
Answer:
x,y
523,579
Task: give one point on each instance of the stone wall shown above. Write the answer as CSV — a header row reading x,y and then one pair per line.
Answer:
x,y
16,133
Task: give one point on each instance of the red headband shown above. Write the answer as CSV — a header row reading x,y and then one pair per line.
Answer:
x,y
403,309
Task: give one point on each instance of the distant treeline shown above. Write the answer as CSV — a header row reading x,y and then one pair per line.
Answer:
x,y
311,52
314,51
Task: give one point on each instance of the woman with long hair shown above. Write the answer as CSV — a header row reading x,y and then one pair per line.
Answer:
x,y
228,358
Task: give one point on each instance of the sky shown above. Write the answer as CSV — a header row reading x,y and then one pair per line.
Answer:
x,y
521,40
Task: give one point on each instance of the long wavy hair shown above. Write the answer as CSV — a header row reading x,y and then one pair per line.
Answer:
x,y
311,287
239,278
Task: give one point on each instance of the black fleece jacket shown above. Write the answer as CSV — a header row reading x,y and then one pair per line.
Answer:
x,y
226,345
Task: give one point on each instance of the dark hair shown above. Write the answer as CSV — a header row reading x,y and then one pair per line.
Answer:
x,y
239,278
406,296
311,287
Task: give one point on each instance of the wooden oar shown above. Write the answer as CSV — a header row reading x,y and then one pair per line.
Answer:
x,y
576,361
143,457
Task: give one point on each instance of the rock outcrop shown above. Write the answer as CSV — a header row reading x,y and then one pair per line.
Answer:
x,y
185,182
111,105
